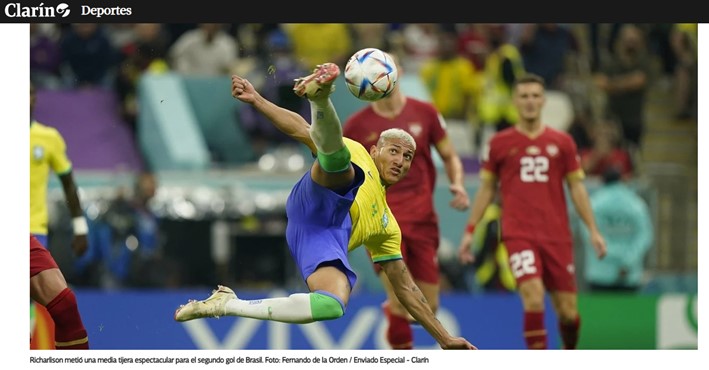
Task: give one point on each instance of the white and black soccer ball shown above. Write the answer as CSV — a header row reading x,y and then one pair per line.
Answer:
x,y
371,74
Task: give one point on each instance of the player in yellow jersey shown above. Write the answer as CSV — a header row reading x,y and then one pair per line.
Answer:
x,y
48,154
335,207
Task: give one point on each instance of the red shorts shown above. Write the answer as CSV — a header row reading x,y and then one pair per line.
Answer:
x,y
553,262
419,247
40,258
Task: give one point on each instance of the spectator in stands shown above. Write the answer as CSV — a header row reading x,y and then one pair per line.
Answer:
x,y
625,80
420,43
370,35
145,54
601,47
451,79
89,55
503,65
683,39
253,38
607,151
581,126
659,44
125,241
624,219
315,42
546,49
207,50
45,56
472,43
280,68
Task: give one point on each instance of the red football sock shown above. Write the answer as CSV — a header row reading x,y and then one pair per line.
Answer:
x,y
399,332
69,329
570,332
535,334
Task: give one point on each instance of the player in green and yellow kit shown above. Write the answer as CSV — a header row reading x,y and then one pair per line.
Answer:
x,y
335,207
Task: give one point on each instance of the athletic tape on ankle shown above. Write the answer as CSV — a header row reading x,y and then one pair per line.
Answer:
x,y
323,306
338,161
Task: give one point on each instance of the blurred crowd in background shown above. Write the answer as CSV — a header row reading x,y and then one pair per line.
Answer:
x,y
604,73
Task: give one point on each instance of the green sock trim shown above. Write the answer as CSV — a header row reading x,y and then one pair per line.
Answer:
x,y
338,161
324,307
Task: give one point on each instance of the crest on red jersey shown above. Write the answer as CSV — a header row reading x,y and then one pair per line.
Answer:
x,y
415,129
552,150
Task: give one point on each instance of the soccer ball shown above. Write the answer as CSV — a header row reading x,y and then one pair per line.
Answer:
x,y
370,74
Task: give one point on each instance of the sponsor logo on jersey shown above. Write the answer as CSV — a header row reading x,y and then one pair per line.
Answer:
x,y
533,150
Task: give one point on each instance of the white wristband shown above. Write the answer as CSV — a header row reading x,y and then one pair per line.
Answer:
x,y
80,225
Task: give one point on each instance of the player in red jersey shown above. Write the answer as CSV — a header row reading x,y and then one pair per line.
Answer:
x,y
411,200
531,161
48,288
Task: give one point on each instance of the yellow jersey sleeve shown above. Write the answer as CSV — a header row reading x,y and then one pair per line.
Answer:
x,y
58,159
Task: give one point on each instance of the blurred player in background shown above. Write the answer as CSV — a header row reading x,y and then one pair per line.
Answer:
x,y
337,206
531,161
48,153
411,200
48,288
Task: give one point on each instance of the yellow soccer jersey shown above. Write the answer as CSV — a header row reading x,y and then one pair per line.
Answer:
x,y
373,224
47,151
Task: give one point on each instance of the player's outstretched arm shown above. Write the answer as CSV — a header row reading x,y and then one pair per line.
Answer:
x,y
289,122
454,170
411,297
579,196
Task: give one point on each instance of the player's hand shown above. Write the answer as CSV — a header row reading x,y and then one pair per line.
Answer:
x,y
460,201
242,89
457,343
465,255
80,244
599,244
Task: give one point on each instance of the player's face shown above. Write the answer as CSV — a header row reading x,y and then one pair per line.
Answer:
x,y
393,159
529,100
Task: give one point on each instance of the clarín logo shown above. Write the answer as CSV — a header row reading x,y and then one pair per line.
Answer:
x,y
16,10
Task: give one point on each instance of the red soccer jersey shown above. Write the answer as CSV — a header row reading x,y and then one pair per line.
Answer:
x,y
411,199
531,175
